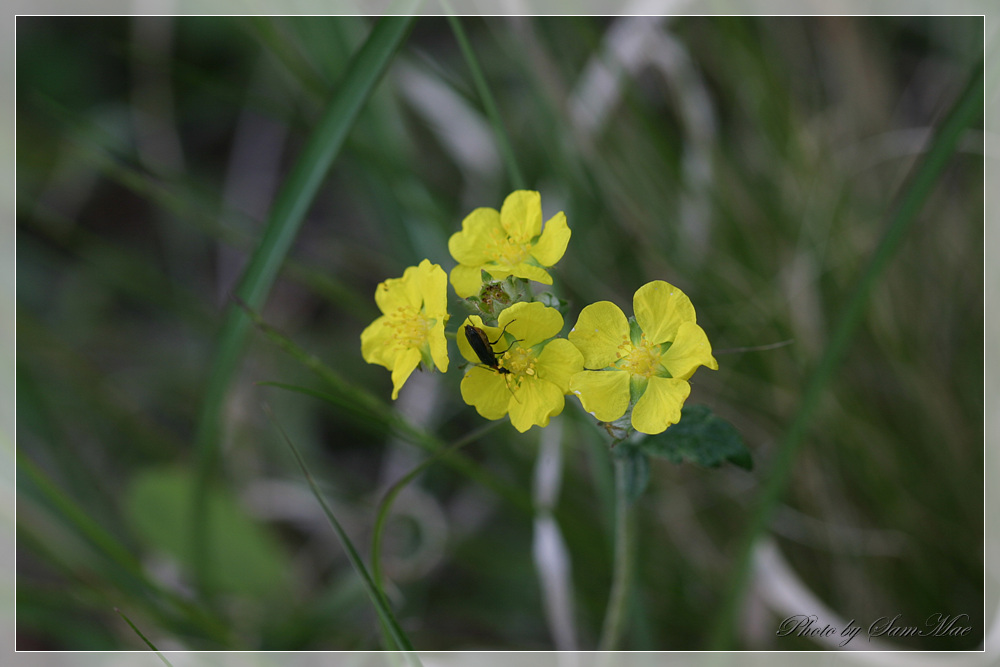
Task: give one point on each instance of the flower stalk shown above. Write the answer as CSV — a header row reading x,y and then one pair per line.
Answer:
x,y
624,555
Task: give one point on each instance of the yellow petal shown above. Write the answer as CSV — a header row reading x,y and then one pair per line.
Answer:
x,y
395,293
439,346
530,323
467,280
599,330
521,215
604,394
537,401
689,350
406,362
526,271
375,341
487,391
558,361
660,405
551,245
432,285
480,230
659,309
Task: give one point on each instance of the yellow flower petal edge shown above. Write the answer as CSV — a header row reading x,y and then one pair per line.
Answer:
x,y
551,245
466,280
406,362
536,403
521,215
599,331
480,229
659,309
411,327
690,349
531,322
660,405
603,394
557,362
486,391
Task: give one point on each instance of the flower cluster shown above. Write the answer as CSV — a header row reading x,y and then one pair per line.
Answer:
x,y
633,370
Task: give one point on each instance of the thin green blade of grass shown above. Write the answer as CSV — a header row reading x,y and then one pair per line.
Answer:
x,y
403,429
489,104
361,402
188,203
943,144
385,506
77,518
386,617
132,575
143,637
289,210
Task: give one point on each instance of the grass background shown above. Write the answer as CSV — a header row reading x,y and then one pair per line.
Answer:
x,y
751,162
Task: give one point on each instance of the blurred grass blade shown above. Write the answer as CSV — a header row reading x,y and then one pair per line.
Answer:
x,y
290,207
362,402
967,108
133,577
143,637
386,617
503,139
77,518
403,429
390,496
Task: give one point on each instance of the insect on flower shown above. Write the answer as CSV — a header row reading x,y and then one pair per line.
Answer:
x,y
483,347
538,365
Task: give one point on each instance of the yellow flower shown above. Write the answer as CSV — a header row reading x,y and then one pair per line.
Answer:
x,y
536,366
508,242
411,328
645,362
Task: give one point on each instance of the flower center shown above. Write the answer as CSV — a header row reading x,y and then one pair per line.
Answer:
x,y
519,361
642,359
410,327
505,250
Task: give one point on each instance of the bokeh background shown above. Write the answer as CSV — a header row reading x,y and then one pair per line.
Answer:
x,y
750,161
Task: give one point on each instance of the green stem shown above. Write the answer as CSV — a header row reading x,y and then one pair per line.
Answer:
x,y
285,219
616,613
486,97
966,110
390,497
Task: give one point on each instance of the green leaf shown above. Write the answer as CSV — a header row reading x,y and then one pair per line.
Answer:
x,y
700,437
246,559
635,468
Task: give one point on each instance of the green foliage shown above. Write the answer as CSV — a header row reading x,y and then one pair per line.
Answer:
x,y
700,437
246,558
754,167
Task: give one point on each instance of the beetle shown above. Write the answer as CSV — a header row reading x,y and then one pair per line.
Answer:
x,y
483,347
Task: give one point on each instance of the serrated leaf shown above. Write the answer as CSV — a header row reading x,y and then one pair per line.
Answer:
x,y
636,464
699,437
